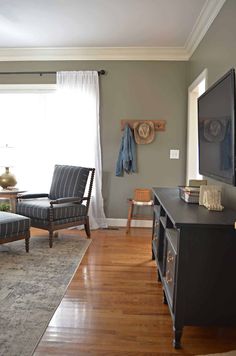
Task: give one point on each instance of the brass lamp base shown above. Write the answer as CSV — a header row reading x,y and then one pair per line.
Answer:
x,y
7,179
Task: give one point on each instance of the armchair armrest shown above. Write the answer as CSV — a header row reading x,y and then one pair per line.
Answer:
x,y
66,200
32,195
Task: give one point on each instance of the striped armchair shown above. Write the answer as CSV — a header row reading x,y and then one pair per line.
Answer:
x,y
66,205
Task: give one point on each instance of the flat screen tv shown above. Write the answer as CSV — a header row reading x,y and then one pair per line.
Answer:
x,y
216,130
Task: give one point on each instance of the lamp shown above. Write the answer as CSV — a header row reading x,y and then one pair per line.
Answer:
x,y
7,179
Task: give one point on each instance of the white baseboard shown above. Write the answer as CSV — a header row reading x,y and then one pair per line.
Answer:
x,y
134,223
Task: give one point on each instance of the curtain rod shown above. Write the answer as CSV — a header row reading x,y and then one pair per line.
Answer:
x,y
100,72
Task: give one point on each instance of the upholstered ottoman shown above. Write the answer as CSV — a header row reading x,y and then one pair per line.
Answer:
x,y
14,227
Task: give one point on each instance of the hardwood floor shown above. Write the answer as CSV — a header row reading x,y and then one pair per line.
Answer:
x,y
113,306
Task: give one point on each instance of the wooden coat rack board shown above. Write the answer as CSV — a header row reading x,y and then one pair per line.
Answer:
x,y
160,125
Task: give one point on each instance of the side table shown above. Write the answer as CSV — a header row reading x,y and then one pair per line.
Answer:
x,y
11,195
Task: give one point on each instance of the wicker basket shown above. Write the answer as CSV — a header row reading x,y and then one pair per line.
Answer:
x,y
142,195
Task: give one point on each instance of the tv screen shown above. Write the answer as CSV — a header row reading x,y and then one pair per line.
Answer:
x,y
216,130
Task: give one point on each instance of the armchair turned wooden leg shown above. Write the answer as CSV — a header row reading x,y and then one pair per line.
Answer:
x,y
50,239
51,215
130,214
87,228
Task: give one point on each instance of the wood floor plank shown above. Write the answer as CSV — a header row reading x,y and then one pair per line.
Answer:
x,y
113,306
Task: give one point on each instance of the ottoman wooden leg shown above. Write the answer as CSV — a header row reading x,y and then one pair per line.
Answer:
x,y
27,242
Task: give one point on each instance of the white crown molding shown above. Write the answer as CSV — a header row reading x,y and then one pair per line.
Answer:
x,y
209,12
205,19
93,53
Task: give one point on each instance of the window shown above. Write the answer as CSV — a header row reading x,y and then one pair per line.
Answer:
x,y
196,89
54,125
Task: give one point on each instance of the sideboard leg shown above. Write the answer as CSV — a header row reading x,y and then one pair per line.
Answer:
x,y
177,337
164,297
153,256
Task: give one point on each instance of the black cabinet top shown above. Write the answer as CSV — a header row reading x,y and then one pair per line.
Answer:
x,y
182,213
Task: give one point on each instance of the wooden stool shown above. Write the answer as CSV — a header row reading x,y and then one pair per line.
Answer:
x,y
142,197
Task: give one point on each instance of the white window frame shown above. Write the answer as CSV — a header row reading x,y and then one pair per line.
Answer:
x,y
192,170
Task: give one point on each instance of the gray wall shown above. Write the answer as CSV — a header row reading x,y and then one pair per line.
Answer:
x,y
217,53
132,90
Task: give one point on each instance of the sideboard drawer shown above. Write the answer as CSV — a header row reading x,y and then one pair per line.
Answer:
x,y
170,262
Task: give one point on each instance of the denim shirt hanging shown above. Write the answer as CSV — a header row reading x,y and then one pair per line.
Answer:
x,y
126,161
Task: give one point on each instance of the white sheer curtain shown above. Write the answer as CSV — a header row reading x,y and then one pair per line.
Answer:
x,y
49,127
78,99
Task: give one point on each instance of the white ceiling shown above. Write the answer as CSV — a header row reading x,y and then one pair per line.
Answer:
x,y
109,27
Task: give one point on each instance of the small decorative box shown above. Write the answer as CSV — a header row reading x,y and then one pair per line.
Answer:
x,y
189,194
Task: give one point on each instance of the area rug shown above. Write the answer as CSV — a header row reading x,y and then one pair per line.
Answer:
x,y
32,286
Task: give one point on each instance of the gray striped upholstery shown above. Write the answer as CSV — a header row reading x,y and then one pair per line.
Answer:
x,y
68,184
39,209
13,224
68,181
45,223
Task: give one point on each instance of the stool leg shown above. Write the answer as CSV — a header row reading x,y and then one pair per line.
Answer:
x,y
130,213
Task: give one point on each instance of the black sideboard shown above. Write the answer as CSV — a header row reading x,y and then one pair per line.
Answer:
x,y
195,252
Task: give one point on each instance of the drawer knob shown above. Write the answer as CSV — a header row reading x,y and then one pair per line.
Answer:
x,y
168,277
170,257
